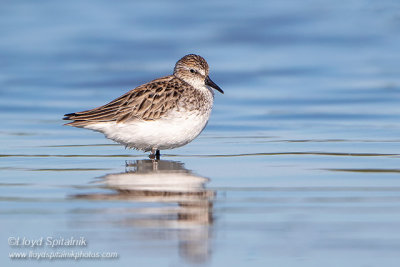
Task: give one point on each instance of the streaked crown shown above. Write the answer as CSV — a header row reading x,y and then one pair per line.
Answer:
x,y
192,62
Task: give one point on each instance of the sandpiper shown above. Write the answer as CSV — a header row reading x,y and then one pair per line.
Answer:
x,y
165,113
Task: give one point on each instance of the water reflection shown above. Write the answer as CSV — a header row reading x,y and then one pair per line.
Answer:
x,y
165,182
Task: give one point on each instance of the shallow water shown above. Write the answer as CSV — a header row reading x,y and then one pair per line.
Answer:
x,y
298,166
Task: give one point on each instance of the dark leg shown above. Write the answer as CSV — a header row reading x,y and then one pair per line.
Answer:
x,y
155,154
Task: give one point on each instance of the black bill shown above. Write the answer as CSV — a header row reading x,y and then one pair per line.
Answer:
x,y
210,83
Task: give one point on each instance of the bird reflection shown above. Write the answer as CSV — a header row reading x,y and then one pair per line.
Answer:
x,y
165,182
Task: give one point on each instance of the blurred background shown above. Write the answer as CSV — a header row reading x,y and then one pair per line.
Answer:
x,y
298,166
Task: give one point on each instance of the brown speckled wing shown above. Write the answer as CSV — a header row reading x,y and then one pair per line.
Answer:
x,y
147,102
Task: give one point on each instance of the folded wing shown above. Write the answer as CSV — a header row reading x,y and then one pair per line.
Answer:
x,y
146,102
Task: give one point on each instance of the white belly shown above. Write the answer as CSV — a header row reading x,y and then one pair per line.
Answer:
x,y
176,130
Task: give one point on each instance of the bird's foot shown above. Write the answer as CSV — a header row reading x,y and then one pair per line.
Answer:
x,y
155,154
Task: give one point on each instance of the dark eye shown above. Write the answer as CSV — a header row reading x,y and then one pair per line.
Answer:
x,y
192,71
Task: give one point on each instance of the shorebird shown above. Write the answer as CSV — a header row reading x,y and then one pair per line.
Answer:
x,y
165,113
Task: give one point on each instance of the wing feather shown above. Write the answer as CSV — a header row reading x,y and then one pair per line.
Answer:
x,y
146,102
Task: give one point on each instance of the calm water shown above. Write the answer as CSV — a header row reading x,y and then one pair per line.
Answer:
x,y
299,165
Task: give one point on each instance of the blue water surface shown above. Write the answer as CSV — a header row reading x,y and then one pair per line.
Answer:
x,y
298,166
